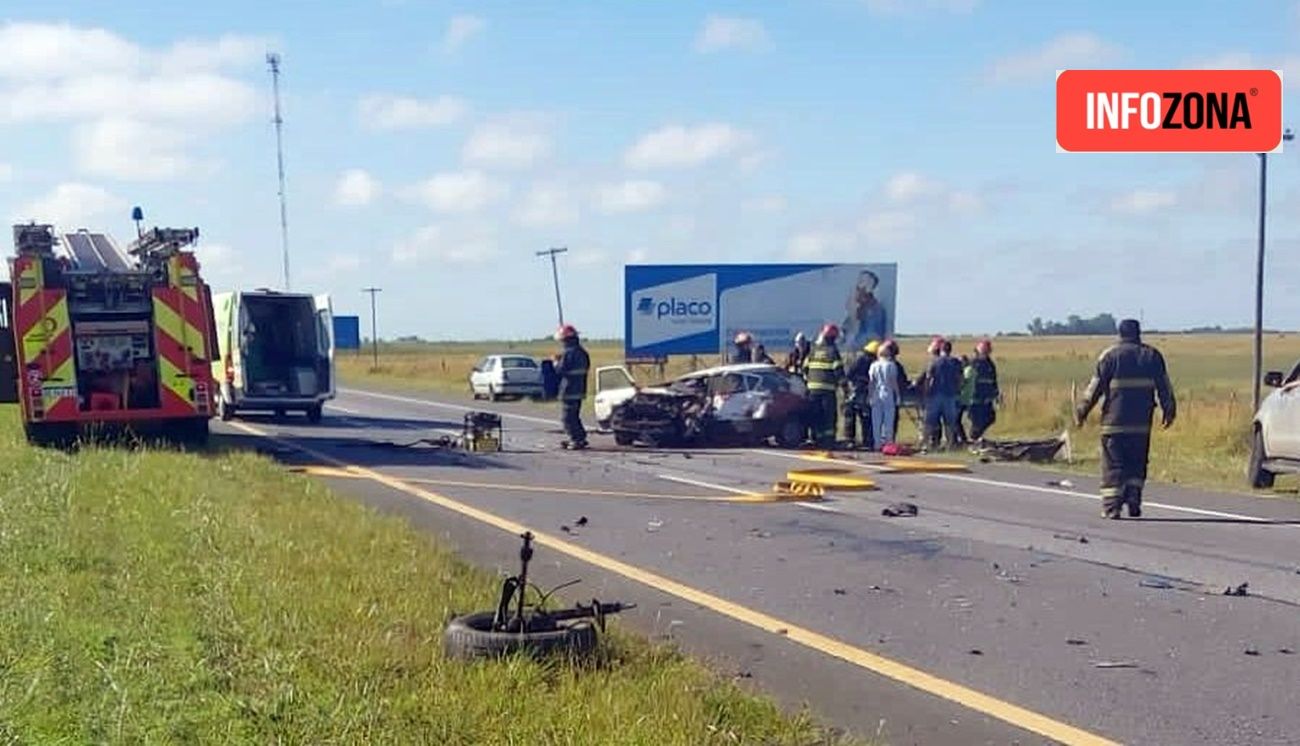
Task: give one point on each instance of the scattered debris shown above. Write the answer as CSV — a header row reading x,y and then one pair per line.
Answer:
x,y
841,592
976,651
1252,651
1286,651
900,510
744,675
582,521
783,631
654,525
758,534
1060,483
1009,577
1075,641
1072,537
1237,590
565,529
1115,664
1157,583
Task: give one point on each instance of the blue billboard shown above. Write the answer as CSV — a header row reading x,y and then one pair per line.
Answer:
x,y
693,309
347,332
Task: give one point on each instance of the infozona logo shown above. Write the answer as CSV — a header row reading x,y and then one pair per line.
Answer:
x,y
1169,111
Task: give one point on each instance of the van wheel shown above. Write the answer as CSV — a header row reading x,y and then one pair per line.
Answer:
x,y
314,414
1260,478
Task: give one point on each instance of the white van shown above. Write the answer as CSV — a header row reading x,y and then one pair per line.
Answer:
x,y
276,352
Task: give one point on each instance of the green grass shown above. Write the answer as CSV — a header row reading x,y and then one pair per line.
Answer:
x,y
1208,446
150,596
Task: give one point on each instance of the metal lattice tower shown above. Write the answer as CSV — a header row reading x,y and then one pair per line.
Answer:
x,y
273,60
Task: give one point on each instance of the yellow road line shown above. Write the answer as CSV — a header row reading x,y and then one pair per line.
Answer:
x,y
900,672
750,497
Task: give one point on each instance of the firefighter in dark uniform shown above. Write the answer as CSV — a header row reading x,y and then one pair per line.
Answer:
x,y
572,368
1130,378
744,353
857,407
824,372
798,354
985,393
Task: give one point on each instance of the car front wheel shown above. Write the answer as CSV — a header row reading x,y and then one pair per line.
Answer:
x,y
1260,478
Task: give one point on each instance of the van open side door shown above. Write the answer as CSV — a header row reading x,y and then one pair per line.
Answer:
x,y
8,347
614,385
325,336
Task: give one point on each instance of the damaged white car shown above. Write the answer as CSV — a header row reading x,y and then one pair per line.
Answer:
x,y
748,404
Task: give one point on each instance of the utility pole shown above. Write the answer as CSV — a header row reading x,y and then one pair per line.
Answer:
x,y
1258,372
374,336
273,59
555,275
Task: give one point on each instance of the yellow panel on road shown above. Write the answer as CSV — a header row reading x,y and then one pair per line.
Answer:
x,y
840,479
921,466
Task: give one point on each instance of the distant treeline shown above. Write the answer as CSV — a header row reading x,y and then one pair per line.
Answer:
x,y
1102,323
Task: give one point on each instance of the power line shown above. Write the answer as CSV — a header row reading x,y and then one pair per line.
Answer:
x,y
374,335
273,60
555,275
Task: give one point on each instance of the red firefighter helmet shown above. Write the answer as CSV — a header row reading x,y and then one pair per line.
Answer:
x,y
983,347
566,332
830,331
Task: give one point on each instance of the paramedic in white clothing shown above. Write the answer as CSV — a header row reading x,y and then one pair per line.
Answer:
x,y
884,395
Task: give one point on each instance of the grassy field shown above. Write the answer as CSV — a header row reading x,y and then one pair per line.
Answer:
x,y
153,596
1211,374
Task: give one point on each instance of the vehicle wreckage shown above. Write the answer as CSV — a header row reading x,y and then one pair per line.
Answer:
x,y
747,404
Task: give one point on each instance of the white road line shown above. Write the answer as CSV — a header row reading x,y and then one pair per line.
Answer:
x,y
1036,488
442,405
816,506
706,485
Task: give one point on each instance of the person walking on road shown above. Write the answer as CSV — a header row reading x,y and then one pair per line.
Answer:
x,y
982,375
572,368
885,393
824,371
857,406
1130,378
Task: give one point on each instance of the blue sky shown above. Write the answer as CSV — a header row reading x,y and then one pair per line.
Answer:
x,y
433,147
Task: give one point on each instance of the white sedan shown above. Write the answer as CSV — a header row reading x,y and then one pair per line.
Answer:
x,y
498,376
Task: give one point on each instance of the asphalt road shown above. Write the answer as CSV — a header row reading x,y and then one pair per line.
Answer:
x,y
1007,611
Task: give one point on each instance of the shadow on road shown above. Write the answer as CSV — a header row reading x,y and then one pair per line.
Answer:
x,y
362,452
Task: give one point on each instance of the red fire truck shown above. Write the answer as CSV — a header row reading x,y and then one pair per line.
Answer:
x,y
97,338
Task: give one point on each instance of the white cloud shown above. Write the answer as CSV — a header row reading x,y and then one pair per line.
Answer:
x,y
904,7
460,29
908,186
676,146
130,150
888,227
507,144
1143,201
225,51
633,195
70,206
819,244
46,51
771,204
340,263
381,111
1288,64
730,32
457,191
218,260
547,205
356,188
1039,65
435,242
6,172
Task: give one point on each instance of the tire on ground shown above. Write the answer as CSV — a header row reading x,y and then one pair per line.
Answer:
x,y
471,636
1259,477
